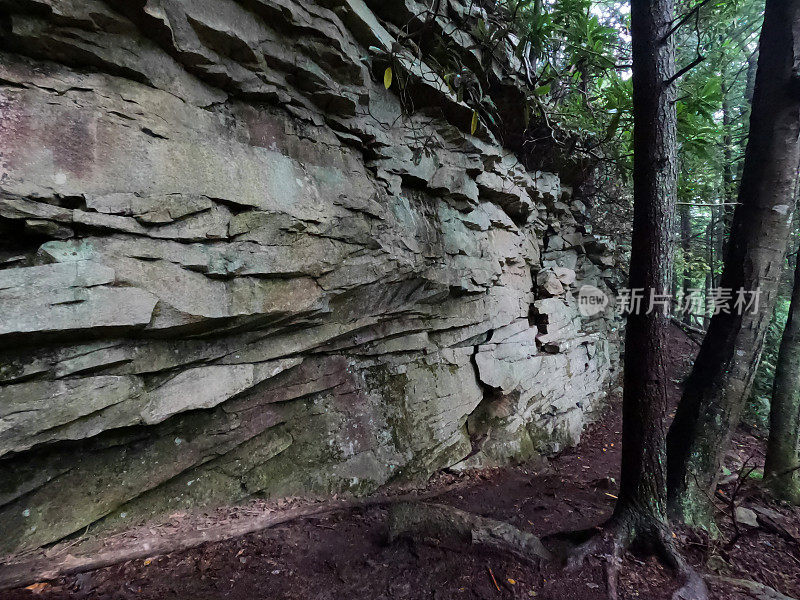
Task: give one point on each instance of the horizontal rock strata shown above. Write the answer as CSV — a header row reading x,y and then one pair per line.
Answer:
x,y
234,264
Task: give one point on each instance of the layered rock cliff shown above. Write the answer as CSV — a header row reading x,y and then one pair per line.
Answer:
x,y
234,264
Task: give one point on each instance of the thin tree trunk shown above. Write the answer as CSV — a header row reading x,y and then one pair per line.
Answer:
x,y
643,481
782,467
686,237
640,513
749,91
727,172
723,373
711,254
752,68
709,282
727,150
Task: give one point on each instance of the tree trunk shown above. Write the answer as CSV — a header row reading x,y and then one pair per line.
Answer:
x,y
686,238
642,497
712,260
750,86
782,467
709,281
723,372
640,514
728,188
727,145
749,92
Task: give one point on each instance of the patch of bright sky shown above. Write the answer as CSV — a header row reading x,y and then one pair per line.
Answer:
x,y
609,13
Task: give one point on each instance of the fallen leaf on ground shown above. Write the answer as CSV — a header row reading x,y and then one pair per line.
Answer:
x,y
493,579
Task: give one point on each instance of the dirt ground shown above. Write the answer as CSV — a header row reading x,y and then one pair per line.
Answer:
x,y
345,555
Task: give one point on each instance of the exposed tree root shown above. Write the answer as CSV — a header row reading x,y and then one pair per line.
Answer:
x,y
620,534
610,548
445,526
64,560
448,527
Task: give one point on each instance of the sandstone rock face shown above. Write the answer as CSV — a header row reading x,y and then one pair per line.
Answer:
x,y
233,264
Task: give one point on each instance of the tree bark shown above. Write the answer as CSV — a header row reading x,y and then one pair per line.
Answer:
x,y
723,373
782,467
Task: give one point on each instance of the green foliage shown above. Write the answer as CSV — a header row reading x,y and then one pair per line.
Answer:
x,y
757,409
579,53
699,132
576,57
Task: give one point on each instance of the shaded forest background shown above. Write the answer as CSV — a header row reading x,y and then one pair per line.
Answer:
x,y
581,70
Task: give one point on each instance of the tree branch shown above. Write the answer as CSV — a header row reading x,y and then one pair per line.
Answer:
x,y
684,70
683,19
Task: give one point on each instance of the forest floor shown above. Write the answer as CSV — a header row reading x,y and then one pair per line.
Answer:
x,y
345,554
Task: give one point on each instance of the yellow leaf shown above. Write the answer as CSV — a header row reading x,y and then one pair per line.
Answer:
x,y
147,561
387,78
512,581
474,124
38,588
